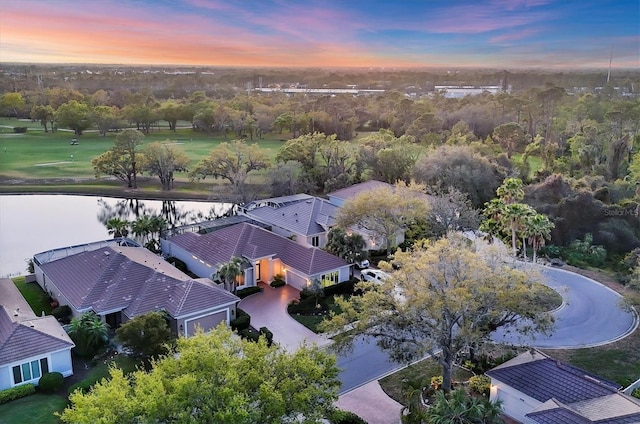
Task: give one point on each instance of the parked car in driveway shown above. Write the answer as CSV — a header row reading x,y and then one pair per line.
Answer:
x,y
362,264
374,275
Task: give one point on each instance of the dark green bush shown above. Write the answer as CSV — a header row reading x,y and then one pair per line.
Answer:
x,y
19,129
61,312
242,321
16,392
249,334
277,283
50,382
248,291
264,331
344,288
338,416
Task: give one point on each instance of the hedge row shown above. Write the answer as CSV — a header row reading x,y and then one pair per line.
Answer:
x,y
241,322
248,291
17,392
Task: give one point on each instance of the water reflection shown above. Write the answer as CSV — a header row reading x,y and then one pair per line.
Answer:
x,y
171,211
31,224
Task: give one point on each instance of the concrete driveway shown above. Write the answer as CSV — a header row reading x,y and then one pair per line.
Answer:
x,y
590,316
269,309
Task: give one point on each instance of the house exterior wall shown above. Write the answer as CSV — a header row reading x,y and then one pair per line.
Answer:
x,y
59,361
196,265
515,404
208,320
295,279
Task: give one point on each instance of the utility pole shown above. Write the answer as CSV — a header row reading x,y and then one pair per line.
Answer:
x,y
610,60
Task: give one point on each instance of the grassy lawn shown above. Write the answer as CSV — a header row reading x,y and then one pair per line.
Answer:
x,y
37,154
310,319
35,296
36,408
393,385
101,370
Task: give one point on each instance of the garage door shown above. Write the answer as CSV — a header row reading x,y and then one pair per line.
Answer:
x,y
296,281
207,322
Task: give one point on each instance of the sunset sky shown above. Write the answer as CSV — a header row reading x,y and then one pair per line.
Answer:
x,y
564,34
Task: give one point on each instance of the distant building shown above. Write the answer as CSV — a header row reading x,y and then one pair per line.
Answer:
x,y
459,91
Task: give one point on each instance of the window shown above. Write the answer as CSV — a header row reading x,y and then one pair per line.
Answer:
x,y
330,279
30,371
315,241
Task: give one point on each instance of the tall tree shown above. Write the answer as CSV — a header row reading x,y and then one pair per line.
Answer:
x,y
384,212
121,160
118,227
126,143
233,162
147,336
228,272
216,378
12,104
451,211
537,230
74,115
350,247
510,136
43,114
446,301
163,160
89,333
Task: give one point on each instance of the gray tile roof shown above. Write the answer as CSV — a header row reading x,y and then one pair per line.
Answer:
x,y
130,279
354,190
545,379
22,340
603,411
558,415
310,216
277,202
252,242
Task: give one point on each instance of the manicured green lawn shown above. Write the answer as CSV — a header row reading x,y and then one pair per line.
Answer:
x,y
394,384
35,296
101,371
313,321
37,154
36,408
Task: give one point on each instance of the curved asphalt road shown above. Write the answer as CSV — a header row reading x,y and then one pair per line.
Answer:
x,y
591,315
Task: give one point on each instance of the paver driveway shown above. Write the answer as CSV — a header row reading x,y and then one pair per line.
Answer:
x,y
269,309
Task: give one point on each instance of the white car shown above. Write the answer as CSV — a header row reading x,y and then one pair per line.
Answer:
x,y
374,275
362,264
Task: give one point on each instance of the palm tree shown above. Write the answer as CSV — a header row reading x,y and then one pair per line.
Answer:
x,y
118,227
141,228
89,333
511,190
538,229
458,408
514,217
228,272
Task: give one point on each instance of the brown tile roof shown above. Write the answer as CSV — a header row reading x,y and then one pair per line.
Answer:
x,y
252,242
133,280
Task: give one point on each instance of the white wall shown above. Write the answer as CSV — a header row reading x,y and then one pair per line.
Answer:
x,y
61,362
5,377
514,403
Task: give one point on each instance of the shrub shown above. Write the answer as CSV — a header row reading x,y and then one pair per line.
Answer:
x,y
278,281
436,381
344,288
16,392
19,129
241,322
248,291
50,382
338,416
268,335
480,384
249,334
636,393
61,312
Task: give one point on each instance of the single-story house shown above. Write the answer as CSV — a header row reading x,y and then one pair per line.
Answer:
x,y
30,345
119,283
535,388
303,218
266,255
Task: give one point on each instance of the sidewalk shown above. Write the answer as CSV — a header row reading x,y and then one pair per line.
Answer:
x,y
372,404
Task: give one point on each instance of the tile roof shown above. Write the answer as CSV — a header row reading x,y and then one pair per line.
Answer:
x,y
613,409
354,190
252,242
22,333
131,279
544,379
309,217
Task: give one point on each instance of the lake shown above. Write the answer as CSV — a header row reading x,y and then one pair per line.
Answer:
x,y
31,224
